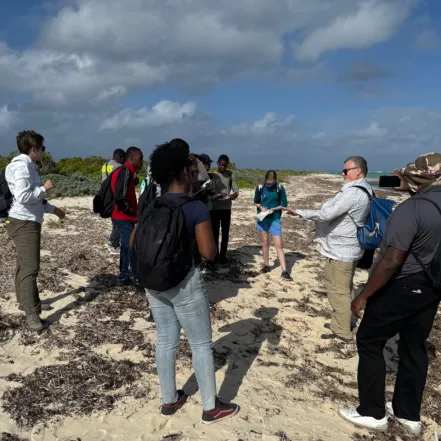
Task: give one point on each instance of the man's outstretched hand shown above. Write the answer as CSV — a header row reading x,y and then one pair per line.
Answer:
x,y
60,213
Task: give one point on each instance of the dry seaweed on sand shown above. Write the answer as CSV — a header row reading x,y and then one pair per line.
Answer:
x,y
218,313
81,387
5,436
9,324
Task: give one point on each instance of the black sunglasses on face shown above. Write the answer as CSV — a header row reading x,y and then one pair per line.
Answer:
x,y
346,170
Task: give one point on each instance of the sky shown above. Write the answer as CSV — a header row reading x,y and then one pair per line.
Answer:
x,y
287,84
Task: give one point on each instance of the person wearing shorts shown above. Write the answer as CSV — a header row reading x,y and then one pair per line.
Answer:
x,y
271,197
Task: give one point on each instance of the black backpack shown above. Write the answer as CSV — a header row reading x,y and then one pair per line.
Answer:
x,y
104,200
161,252
6,197
433,269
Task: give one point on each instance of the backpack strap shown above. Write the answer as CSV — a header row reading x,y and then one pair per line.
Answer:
x,y
365,190
279,193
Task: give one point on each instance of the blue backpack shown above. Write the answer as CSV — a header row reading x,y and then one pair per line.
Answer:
x,y
371,233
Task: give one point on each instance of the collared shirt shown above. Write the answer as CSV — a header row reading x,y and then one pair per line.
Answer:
x,y
29,202
338,221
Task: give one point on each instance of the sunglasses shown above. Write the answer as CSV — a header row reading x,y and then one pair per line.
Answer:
x,y
346,170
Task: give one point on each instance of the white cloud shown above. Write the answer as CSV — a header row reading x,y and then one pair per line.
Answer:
x,y
375,21
93,51
162,113
7,118
373,130
268,125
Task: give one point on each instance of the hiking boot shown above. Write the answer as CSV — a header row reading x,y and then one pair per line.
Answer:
x,y
33,322
335,337
265,269
221,412
286,276
411,427
352,416
172,408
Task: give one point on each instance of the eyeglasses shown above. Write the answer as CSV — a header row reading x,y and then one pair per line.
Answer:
x,y
346,170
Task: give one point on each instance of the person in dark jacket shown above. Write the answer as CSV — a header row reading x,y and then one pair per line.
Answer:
x,y
119,158
126,206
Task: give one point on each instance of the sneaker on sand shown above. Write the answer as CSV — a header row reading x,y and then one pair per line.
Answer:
x,y
222,412
351,415
114,250
108,245
265,269
172,408
286,276
33,322
413,428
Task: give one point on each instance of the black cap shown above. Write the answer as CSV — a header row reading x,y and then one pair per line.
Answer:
x,y
204,158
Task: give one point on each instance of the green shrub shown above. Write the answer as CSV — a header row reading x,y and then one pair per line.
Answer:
x,y
88,167
72,186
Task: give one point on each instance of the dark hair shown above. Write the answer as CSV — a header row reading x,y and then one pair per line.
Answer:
x,y
224,158
131,152
119,154
167,162
28,139
178,142
271,174
360,162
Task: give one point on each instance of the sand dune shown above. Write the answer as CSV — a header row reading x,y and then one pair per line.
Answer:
x,y
92,375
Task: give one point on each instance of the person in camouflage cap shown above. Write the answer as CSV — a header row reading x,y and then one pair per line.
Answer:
x,y
425,171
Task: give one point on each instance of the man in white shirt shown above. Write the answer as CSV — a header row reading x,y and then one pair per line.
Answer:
x,y
25,219
337,223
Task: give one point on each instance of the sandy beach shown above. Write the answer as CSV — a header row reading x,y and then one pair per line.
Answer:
x,y
92,375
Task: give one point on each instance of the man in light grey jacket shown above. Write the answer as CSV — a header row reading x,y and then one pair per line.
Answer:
x,y
337,224
24,222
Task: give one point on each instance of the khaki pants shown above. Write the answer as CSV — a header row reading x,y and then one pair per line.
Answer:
x,y
26,236
339,277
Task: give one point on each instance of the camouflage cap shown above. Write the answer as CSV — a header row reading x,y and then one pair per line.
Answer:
x,y
425,171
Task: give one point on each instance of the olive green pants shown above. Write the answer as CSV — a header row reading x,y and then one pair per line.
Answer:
x,y
26,237
339,282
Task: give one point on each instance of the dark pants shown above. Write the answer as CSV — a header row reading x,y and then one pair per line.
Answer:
x,y
221,219
115,238
26,236
406,306
125,229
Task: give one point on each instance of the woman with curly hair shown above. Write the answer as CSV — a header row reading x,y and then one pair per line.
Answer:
x,y
186,305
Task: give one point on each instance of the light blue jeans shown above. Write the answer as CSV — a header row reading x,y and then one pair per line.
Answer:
x,y
185,306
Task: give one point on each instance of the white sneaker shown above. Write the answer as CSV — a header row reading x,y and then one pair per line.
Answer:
x,y
109,246
411,427
352,416
114,250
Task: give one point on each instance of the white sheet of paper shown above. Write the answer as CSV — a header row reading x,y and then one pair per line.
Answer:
x,y
262,215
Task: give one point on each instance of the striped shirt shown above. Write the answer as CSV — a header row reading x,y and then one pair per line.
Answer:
x,y
338,220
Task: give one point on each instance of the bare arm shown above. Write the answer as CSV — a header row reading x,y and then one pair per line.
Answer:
x,y
385,269
205,240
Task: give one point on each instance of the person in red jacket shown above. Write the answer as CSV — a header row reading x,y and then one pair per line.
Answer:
x,y
126,207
